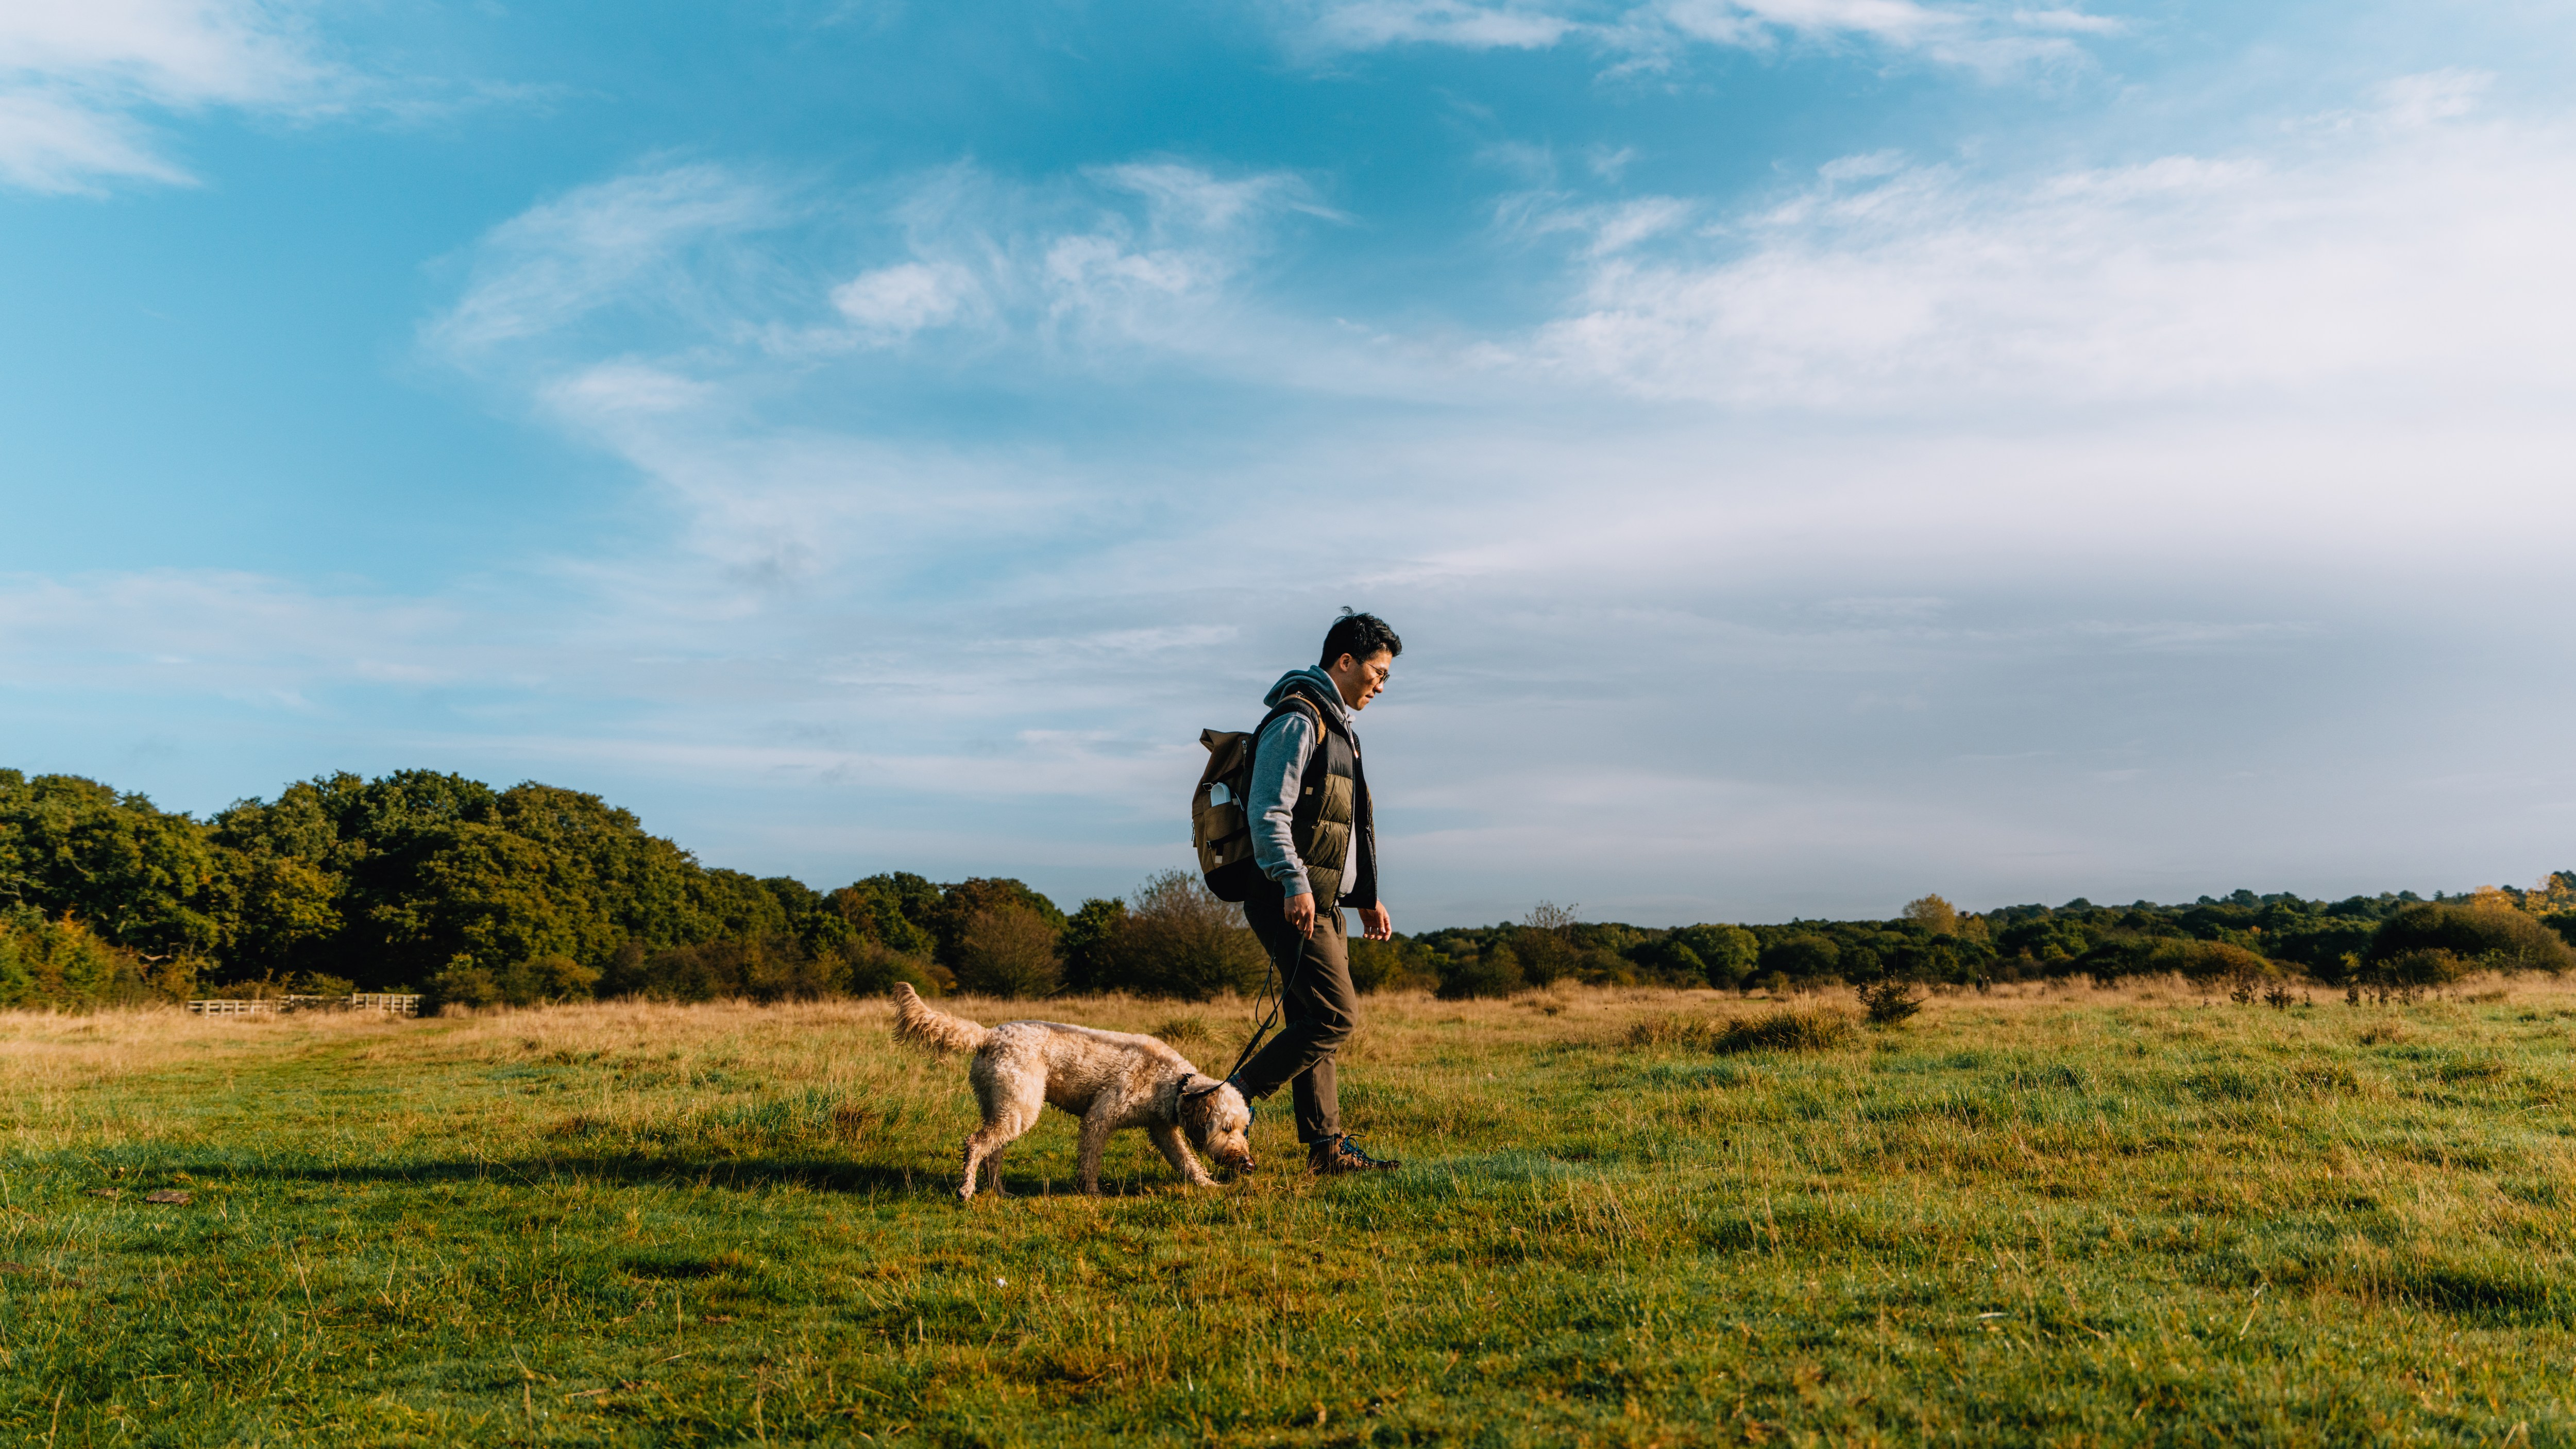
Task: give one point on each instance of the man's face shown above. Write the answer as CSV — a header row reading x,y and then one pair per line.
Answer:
x,y
1360,679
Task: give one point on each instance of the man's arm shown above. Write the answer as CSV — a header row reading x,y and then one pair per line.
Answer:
x,y
1278,764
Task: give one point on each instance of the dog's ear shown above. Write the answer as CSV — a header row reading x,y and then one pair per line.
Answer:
x,y
1197,1098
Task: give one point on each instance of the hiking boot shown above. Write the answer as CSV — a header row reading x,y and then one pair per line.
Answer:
x,y
1326,1159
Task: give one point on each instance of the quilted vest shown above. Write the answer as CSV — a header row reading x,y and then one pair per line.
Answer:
x,y
1333,813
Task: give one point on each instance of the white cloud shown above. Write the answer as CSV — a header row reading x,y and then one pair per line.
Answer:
x,y
2410,258
895,302
78,78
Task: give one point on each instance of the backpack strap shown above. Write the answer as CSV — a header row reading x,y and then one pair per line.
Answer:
x,y
1296,701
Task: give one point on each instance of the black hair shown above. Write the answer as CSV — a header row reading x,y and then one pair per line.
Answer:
x,y
1359,636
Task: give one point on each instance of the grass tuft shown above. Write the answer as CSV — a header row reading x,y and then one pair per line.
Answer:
x,y
1790,1029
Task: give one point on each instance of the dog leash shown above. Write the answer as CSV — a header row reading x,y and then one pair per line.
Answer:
x,y
1277,992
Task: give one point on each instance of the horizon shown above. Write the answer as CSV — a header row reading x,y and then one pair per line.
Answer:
x,y
1068,903
1815,454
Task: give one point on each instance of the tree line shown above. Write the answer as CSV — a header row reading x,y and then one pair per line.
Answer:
x,y
479,896
2396,943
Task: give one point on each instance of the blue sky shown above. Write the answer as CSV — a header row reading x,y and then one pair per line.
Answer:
x,y
1818,451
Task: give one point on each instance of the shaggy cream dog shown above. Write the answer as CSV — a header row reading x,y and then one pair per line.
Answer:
x,y
1109,1079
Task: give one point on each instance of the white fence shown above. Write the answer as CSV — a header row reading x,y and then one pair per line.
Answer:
x,y
391,1003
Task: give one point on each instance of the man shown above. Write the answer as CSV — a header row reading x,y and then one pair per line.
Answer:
x,y
1313,838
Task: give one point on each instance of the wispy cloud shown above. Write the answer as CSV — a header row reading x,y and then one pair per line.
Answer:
x,y
80,81
92,91
1988,38
633,241
2420,251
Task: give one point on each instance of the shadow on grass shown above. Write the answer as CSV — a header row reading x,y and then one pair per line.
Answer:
x,y
747,1174
820,1174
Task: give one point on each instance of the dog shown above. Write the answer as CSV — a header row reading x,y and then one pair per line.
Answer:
x,y
1109,1079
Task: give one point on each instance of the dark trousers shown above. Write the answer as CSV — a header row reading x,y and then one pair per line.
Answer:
x,y
1317,1009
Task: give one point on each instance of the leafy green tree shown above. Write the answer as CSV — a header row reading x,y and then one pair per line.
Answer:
x,y
1670,960
960,903
1727,953
1399,964
1091,946
1806,956
883,909
874,968
141,878
1494,972
1006,948
1544,947
2486,937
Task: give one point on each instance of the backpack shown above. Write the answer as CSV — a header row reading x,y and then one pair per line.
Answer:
x,y
1219,825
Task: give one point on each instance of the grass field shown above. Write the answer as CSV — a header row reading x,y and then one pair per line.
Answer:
x,y
2059,1217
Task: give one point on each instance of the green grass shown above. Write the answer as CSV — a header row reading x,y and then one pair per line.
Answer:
x,y
2047,1219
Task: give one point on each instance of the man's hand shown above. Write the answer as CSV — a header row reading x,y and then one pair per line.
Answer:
x,y
1300,911
1376,924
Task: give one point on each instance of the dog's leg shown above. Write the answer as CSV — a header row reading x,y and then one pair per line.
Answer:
x,y
1177,1149
1097,1124
984,1148
1011,1101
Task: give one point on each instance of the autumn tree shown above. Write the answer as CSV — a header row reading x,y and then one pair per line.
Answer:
x,y
1934,915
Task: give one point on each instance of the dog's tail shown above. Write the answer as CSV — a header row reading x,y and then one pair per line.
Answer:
x,y
916,1023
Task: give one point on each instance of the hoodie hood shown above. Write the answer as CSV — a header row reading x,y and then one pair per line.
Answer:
x,y
1320,686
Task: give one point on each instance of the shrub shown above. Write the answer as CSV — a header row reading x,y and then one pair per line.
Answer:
x,y
775,968
1006,950
464,981
460,983
2407,975
2115,955
1889,1002
1789,1030
1177,939
63,964
2485,937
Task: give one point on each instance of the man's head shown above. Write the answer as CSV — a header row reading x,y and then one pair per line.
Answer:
x,y
1359,652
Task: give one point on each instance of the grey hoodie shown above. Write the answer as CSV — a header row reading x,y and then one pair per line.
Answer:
x,y
1278,763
